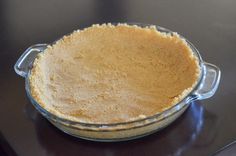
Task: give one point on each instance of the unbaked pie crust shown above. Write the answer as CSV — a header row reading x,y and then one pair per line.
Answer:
x,y
110,74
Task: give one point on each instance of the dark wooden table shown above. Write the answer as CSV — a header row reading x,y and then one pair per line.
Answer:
x,y
204,128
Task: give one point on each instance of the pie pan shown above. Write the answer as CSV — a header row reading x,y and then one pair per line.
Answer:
x,y
205,87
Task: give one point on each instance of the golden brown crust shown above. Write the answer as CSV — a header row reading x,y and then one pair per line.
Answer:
x,y
108,74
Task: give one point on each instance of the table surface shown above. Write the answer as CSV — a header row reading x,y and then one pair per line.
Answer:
x,y
203,129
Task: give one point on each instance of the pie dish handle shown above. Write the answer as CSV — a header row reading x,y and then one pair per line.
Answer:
x,y
209,83
24,63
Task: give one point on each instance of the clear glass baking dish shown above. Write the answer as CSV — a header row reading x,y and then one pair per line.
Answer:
x,y
205,88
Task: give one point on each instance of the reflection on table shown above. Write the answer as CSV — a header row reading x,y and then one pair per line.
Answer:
x,y
173,140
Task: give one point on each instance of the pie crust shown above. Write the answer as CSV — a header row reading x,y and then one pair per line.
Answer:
x,y
111,74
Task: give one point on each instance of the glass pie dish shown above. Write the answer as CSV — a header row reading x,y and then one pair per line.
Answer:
x,y
206,86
